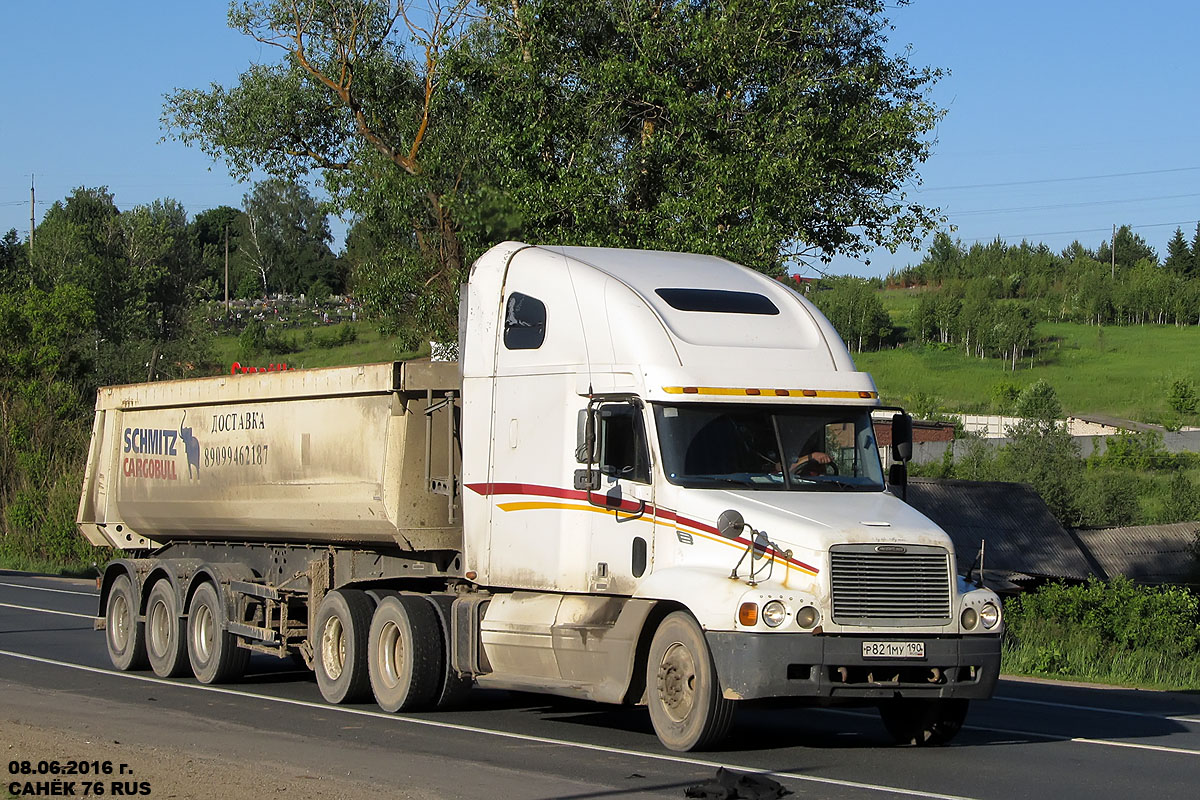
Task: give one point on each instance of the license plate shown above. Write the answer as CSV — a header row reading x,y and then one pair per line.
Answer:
x,y
893,649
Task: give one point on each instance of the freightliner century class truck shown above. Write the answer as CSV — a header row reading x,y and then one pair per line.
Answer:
x,y
652,478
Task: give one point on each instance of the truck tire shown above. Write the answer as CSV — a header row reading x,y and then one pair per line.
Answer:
x,y
687,708
923,722
213,651
124,634
340,640
406,661
166,643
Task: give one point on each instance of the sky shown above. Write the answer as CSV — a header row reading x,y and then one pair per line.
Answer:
x,y
1064,117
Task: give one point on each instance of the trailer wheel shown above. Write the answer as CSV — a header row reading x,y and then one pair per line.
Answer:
x,y
340,641
213,651
124,634
166,645
923,722
405,664
687,708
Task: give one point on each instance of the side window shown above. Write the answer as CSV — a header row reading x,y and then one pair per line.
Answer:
x,y
524,322
621,440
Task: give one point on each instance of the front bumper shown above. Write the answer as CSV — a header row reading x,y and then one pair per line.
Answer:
x,y
757,665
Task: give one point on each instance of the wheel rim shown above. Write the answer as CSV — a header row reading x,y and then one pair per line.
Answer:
x,y
118,622
202,637
333,648
160,629
391,654
677,682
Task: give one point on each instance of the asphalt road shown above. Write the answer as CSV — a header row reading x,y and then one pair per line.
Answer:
x,y
1033,740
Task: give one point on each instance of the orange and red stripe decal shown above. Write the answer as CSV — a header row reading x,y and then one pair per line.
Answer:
x,y
658,513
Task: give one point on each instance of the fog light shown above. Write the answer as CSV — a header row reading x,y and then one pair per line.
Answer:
x,y
774,614
969,619
808,617
748,614
990,616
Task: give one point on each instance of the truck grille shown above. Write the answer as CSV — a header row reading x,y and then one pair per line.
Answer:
x,y
870,587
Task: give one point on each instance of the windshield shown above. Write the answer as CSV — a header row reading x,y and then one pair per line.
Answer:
x,y
769,447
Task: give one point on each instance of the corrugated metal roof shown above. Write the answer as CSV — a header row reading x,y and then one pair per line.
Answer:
x,y
1151,554
1022,536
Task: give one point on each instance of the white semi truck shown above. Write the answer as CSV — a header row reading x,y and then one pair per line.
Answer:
x,y
652,478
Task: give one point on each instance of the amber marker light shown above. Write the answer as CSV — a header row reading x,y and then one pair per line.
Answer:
x,y
810,392
748,614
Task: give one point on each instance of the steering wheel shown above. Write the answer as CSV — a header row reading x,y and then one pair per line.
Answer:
x,y
815,468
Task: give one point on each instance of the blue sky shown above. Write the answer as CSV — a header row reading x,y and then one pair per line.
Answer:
x,y
1063,117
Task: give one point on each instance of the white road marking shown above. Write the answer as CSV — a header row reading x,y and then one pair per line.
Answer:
x,y
489,732
1055,737
1085,740
48,611
1096,709
48,589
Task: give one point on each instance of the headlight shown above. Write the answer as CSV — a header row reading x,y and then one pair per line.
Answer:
x,y
808,617
774,614
969,619
989,615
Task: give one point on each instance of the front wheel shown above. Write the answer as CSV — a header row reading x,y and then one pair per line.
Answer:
x,y
687,708
922,722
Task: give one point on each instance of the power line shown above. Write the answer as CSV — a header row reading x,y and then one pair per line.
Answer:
x,y
1006,236
921,190
1072,205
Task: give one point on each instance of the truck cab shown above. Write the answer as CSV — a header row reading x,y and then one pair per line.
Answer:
x,y
690,439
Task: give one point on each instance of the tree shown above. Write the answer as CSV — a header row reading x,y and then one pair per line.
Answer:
x,y
855,311
1042,453
1130,248
286,237
13,262
1179,255
207,236
1194,270
761,132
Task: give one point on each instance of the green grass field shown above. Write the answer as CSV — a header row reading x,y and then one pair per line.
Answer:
x,y
1120,371
369,348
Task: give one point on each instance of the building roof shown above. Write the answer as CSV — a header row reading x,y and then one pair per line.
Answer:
x,y
1023,538
1152,554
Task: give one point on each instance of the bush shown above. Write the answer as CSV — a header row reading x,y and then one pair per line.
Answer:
x,y
1114,632
257,339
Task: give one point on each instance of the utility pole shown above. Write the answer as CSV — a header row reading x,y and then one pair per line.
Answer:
x,y
226,270
1112,246
31,204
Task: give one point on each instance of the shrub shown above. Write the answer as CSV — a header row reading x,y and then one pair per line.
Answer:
x,y
1115,632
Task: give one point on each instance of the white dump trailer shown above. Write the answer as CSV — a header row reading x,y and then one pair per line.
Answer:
x,y
652,478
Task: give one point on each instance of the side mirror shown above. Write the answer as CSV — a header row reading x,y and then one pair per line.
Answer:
x,y
730,524
902,437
